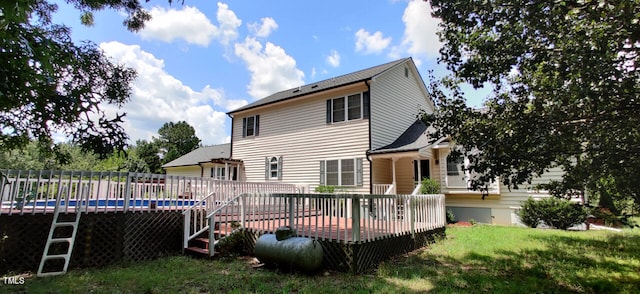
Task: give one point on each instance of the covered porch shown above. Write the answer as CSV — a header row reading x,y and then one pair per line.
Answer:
x,y
399,167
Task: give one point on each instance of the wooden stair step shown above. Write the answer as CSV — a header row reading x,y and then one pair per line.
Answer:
x,y
198,250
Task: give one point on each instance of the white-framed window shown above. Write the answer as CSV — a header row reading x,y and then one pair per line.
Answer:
x,y
273,168
456,175
250,126
218,172
350,107
341,172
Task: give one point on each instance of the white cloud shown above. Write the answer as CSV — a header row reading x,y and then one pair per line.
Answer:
x,y
420,36
189,24
371,43
263,30
313,72
158,97
272,70
229,24
334,58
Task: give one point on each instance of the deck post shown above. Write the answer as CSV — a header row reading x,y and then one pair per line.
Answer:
x,y
242,208
412,215
127,191
187,230
291,216
212,234
355,218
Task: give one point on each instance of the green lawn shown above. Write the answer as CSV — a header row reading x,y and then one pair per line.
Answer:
x,y
476,259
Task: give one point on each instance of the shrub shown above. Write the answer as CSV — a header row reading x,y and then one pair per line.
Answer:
x,y
555,212
325,189
529,214
430,186
451,218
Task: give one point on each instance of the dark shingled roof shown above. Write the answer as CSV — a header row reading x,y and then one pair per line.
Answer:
x,y
202,154
339,81
412,139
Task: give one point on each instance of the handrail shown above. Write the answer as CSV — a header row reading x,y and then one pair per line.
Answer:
x,y
226,203
390,190
416,190
198,203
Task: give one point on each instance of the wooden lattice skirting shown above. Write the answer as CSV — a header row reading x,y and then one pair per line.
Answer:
x,y
102,239
364,256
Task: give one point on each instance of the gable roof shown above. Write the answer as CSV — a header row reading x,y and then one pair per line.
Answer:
x,y
413,138
202,154
343,80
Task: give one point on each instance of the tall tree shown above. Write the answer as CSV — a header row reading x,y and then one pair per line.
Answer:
x,y
177,139
566,84
49,84
149,152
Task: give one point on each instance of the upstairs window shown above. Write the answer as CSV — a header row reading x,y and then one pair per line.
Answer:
x,y
347,108
250,126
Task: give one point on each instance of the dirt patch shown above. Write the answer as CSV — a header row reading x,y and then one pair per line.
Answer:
x,y
460,224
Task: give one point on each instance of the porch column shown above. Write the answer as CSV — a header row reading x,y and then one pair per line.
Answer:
x,y
393,170
226,171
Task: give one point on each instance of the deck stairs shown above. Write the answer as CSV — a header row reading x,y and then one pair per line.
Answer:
x,y
202,238
199,246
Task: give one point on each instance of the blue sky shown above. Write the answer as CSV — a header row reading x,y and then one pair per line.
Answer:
x,y
197,61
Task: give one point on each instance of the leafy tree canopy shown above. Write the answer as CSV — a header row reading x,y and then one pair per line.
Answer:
x,y
177,139
566,84
51,85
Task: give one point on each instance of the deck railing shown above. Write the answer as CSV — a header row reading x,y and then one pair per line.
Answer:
x,y
31,192
380,189
344,217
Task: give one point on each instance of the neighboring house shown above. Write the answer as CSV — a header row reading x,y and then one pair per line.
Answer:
x,y
358,131
209,161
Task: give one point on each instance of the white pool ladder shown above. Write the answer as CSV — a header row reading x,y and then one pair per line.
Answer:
x,y
56,223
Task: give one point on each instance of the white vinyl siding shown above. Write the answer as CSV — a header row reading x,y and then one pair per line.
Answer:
x,y
395,102
298,130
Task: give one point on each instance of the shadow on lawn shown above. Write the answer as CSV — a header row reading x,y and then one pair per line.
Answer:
x,y
566,264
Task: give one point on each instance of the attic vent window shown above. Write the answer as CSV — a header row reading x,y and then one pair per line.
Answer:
x,y
406,72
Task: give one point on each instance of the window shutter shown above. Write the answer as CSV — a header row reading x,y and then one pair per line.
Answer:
x,y
266,168
322,179
280,168
257,126
329,111
366,102
244,127
359,172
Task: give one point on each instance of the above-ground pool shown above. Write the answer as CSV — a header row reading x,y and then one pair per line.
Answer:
x,y
111,203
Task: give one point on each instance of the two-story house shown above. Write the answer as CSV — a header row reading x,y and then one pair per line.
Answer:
x,y
359,132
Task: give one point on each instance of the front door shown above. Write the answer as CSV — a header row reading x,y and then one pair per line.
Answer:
x,y
420,170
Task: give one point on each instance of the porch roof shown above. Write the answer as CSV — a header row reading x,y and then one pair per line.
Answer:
x,y
413,138
201,155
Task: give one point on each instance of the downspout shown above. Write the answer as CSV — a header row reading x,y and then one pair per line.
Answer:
x,y
367,153
231,140
231,149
